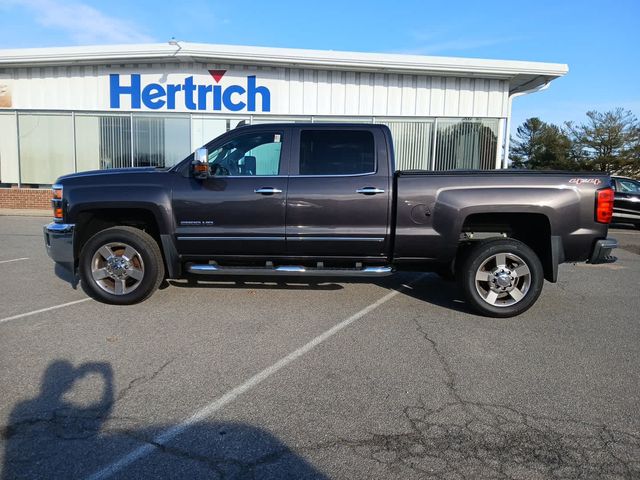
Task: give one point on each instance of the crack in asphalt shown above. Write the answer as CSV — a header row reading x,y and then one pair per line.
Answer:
x,y
141,380
466,439
460,439
450,374
224,467
66,423
484,440
63,424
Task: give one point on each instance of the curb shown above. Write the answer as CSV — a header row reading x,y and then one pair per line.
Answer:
x,y
24,212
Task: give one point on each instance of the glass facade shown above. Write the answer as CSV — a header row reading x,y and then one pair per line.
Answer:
x,y
35,147
46,146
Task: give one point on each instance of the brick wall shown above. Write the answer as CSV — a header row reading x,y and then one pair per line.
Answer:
x,y
25,198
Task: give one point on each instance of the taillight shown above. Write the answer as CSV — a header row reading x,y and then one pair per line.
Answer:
x,y
56,202
604,205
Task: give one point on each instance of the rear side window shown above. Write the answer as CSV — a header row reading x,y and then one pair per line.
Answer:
x,y
628,186
336,152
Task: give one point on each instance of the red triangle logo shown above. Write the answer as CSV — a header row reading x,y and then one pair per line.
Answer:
x,y
217,74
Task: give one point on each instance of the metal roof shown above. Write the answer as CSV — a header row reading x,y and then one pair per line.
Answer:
x,y
522,76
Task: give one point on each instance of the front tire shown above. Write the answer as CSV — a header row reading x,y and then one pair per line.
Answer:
x,y
121,266
501,278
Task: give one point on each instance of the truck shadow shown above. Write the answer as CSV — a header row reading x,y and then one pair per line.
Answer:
x,y
65,274
426,287
431,288
51,436
622,226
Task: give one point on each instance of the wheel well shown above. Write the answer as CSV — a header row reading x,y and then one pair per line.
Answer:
x,y
532,229
93,221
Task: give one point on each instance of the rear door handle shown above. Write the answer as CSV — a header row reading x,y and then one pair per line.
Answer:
x,y
267,190
369,190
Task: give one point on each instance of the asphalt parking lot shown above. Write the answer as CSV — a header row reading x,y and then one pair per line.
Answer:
x,y
390,379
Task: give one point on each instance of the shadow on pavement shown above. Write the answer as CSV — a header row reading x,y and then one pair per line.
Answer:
x,y
429,287
432,289
623,226
51,436
65,274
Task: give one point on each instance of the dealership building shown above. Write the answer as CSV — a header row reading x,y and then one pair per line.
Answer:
x,y
71,109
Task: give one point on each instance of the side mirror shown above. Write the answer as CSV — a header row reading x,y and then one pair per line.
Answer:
x,y
200,164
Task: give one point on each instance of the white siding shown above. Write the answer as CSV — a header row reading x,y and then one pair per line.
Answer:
x,y
310,92
437,97
294,91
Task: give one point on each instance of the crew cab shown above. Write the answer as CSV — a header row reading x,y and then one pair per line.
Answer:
x,y
324,200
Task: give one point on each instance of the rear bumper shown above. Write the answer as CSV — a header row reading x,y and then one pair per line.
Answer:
x,y
602,251
58,240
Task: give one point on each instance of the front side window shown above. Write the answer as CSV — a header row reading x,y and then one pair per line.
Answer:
x,y
336,152
256,154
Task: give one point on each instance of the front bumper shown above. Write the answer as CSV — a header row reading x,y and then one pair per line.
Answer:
x,y
58,240
602,251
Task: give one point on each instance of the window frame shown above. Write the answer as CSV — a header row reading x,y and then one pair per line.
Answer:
x,y
297,141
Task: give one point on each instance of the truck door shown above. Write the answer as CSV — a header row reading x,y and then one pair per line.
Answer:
x,y
339,193
240,210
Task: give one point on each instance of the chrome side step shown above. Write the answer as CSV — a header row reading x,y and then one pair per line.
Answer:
x,y
288,270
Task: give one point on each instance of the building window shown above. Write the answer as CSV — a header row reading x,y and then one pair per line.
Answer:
x,y
105,141
114,140
412,144
46,147
8,149
160,141
466,144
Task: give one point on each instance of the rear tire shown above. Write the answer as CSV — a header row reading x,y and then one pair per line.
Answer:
x,y
121,266
501,278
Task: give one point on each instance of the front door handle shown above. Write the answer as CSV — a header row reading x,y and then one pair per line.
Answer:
x,y
267,190
369,190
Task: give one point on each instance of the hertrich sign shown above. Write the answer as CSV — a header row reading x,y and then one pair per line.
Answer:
x,y
189,95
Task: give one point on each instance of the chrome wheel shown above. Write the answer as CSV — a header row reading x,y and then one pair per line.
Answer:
x,y
117,268
503,279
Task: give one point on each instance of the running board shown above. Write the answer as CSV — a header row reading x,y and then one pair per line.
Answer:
x,y
288,270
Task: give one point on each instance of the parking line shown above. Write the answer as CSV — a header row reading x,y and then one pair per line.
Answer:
x,y
14,260
208,410
35,312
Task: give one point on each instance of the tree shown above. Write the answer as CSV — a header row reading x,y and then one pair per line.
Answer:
x,y
608,142
542,146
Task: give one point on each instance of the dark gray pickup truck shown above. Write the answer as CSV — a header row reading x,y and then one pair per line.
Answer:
x,y
324,200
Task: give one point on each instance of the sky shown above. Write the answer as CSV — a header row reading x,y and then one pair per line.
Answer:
x,y
599,40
